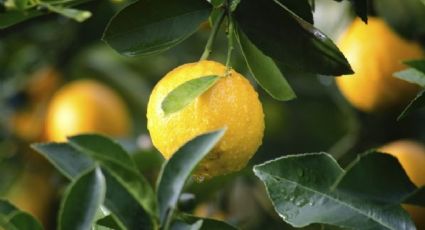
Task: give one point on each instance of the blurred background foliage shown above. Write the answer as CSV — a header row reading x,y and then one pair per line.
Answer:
x,y
40,55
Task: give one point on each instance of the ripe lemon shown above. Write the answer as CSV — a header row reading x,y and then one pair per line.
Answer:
x,y
231,102
86,106
375,52
411,156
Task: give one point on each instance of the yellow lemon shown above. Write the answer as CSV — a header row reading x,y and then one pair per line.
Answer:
x,y
411,156
232,102
86,106
375,52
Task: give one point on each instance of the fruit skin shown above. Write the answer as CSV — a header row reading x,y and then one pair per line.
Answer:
x,y
232,102
375,52
86,106
411,156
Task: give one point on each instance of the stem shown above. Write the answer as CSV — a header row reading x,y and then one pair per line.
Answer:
x,y
168,219
213,35
230,34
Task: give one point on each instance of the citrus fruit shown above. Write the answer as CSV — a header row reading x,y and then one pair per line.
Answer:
x,y
375,52
86,106
232,102
411,156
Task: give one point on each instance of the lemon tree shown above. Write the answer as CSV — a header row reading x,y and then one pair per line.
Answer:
x,y
206,118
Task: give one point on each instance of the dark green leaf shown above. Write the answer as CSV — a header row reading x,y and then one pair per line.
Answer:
x,y
149,27
265,71
66,159
82,200
207,224
300,189
24,221
417,103
110,221
301,8
376,177
288,39
13,219
77,15
416,198
417,64
114,159
185,93
176,171
11,18
123,204
185,226
21,4
361,8
406,17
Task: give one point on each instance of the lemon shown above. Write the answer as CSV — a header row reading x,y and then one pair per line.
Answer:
x,y
411,156
86,106
232,102
375,52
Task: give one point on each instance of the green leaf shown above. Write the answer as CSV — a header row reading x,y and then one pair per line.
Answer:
x,y
411,75
66,159
301,8
77,15
184,226
376,167
406,16
265,71
23,220
207,224
112,222
178,168
185,93
82,200
300,189
123,204
417,103
21,4
13,17
288,39
416,198
416,64
118,162
361,8
150,27
12,218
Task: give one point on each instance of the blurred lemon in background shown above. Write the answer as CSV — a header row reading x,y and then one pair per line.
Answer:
x,y
411,156
375,52
232,102
86,106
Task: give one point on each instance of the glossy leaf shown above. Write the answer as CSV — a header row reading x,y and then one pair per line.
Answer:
x,y
361,7
116,161
412,75
417,103
178,168
149,27
416,64
66,159
82,200
376,167
110,221
75,14
207,224
13,17
288,39
265,71
11,218
300,187
406,16
416,198
187,92
301,8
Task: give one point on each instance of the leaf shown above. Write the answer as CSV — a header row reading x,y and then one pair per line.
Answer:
x,y
361,8
185,93
207,224
376,167
416,64
301,8
176,170
77,15
417,103
406,17
416,198
415,75
265,71
110,221
66,159
288,39
13,17
300,189
82,200
21,4
142,29
184,226
114,159
12,218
